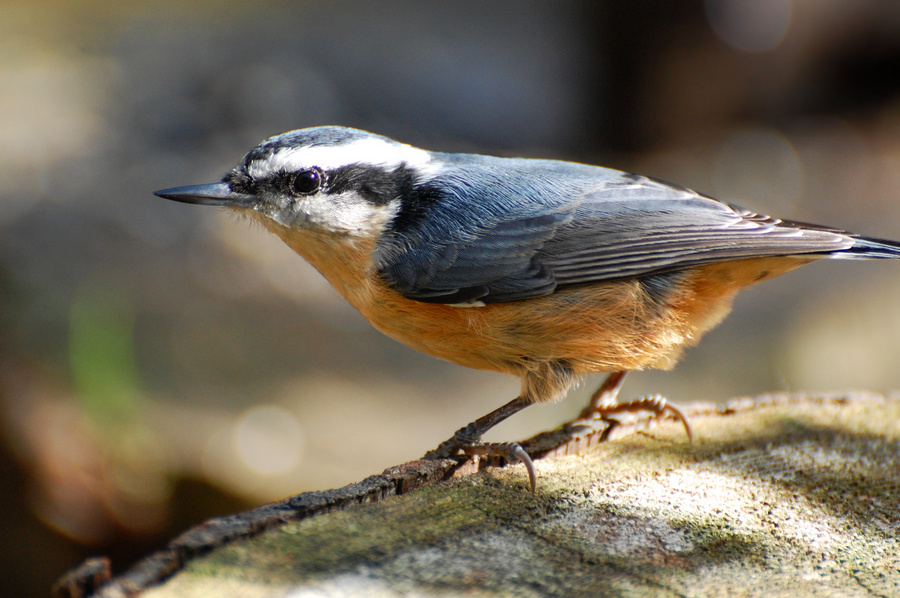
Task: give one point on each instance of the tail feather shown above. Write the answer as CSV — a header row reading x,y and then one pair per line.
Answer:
x,y
863,248
868,248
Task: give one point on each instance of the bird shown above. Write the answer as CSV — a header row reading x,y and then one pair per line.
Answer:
x,y
547,270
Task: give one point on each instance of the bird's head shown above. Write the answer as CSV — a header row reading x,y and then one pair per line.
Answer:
x,y
332,180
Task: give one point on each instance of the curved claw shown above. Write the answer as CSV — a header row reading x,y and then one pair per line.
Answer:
x,y
511,451
659,405
679,414
515,451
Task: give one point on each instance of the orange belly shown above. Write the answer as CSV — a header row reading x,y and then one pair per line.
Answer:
x,y
601,327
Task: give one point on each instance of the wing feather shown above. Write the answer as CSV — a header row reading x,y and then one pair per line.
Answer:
x,y
532,227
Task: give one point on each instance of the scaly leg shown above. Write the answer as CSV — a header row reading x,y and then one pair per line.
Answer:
x,y
468,440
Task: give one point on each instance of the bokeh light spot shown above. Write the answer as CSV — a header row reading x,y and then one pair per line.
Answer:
x,y
750,25
269,440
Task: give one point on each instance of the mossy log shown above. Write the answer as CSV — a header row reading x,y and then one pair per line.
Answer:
x,y
778,495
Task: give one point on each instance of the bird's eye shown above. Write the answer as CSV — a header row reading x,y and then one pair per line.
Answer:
x,y
306,182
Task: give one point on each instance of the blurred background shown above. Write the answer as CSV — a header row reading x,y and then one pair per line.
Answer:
x,y
161,363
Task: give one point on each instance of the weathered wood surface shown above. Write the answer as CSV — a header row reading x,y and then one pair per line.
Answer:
x,y
777,496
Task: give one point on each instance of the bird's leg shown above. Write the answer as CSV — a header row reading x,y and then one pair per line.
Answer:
x,y
471,434
604,396
468,440
603,404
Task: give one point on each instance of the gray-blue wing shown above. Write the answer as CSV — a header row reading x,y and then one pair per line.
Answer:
x,y
509,242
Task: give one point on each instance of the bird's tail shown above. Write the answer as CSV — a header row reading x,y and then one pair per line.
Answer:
x,y
868,248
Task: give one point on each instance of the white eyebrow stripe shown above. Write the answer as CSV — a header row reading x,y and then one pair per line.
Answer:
x,y
374,152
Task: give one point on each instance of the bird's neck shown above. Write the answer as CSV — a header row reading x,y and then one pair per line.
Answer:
x,y
345,262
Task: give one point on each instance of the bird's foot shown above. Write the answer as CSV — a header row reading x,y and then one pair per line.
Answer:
x,y
466,441
603,405
655,404
511,451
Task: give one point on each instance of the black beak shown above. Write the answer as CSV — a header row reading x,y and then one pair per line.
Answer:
x,y
213,194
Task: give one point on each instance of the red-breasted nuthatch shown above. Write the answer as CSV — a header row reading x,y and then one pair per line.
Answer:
x,y
543,269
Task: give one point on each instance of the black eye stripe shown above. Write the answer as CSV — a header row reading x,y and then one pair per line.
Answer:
x,y
376,184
